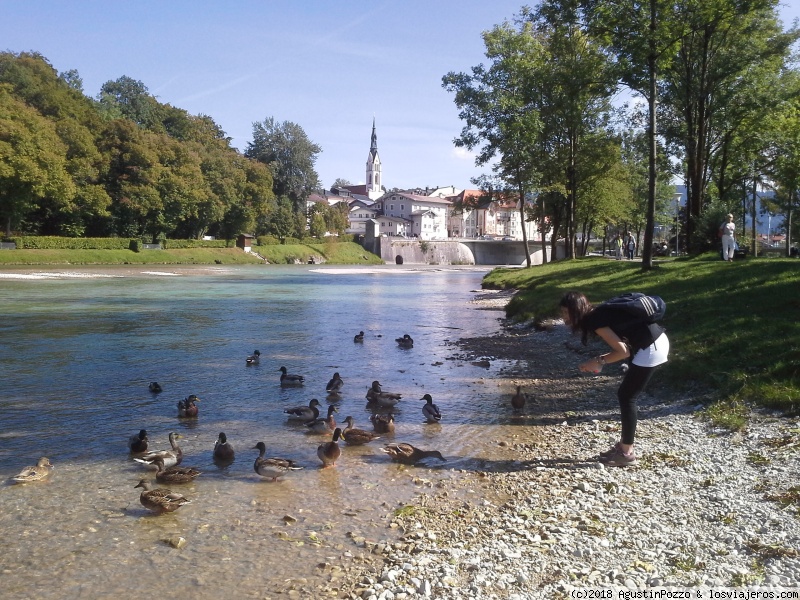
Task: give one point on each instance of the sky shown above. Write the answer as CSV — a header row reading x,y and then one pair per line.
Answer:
x,y
330,66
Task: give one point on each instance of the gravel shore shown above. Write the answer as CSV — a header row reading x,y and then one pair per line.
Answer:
x,y
703,506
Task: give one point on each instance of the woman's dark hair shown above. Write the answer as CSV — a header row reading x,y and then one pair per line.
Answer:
x,y
578,306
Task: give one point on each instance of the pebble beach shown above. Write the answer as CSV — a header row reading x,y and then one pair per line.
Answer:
x,y
704,508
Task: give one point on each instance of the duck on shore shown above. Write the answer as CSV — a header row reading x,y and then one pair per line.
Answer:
x,y
40,471
274,467
324,424
382,423
174,474
357,437
408,454
171,457
329,452
160,500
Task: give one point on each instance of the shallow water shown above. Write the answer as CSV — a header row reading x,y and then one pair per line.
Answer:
x,y
78,352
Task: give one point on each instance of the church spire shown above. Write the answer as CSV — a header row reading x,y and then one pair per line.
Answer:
x,y
374,183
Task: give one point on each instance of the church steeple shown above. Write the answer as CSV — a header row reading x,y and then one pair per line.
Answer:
x,y
374,184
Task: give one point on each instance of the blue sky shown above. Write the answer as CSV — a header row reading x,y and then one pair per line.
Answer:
x,y
328,66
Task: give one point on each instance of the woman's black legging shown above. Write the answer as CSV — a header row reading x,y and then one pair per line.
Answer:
x,y
632,385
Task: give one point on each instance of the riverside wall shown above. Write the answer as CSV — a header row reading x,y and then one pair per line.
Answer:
x,y
460,252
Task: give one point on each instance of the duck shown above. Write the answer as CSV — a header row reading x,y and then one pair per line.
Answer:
x,y
329,452
154,387
174,474
223,451
323,424
430,411
42,469
359,337
518,400
378,397
304,413
171,457
357,437
254,358
382,423
272,467
334,386
137,444
160,500
408,454
405,342
288,380
187,408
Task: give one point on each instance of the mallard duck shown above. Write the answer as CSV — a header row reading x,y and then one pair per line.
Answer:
x,y
334,386
254,358
288,380
154,387
42,469
518,400
223,451
382,423
357,437
171,457
187,407
408,454
138,443
304,413
272,467
324,424
405,342
359,337
380,398
329,452
174,474
160,500
430,411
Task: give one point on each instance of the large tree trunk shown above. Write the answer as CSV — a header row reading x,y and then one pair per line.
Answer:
x,y
647,253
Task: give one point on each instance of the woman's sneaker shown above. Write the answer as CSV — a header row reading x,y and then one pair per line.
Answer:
x,y
618,458
609,453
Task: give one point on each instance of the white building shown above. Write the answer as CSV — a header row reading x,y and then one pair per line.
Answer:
x,y
426,216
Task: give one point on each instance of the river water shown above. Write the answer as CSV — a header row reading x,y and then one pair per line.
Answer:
x,y
79,347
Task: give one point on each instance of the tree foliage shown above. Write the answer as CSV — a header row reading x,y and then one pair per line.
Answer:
x,y
121,165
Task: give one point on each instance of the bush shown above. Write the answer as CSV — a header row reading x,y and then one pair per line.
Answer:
x,y
267,240
175,244
31,242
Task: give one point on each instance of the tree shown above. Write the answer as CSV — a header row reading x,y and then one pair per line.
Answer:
x,y
642,37
33,167
130,99
290,155
719,92
500,114
575,84
341,182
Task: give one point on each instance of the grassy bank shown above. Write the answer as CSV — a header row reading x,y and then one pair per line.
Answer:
x,y
332,253
734,328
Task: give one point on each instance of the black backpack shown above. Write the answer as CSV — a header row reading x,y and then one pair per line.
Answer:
x,y
641,307
644,312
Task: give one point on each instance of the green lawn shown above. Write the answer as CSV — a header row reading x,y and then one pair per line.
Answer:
x,y
734,328
337,253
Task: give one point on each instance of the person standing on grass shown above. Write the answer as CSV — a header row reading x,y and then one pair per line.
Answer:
x,y
726,232
618,246
630,246
625,336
